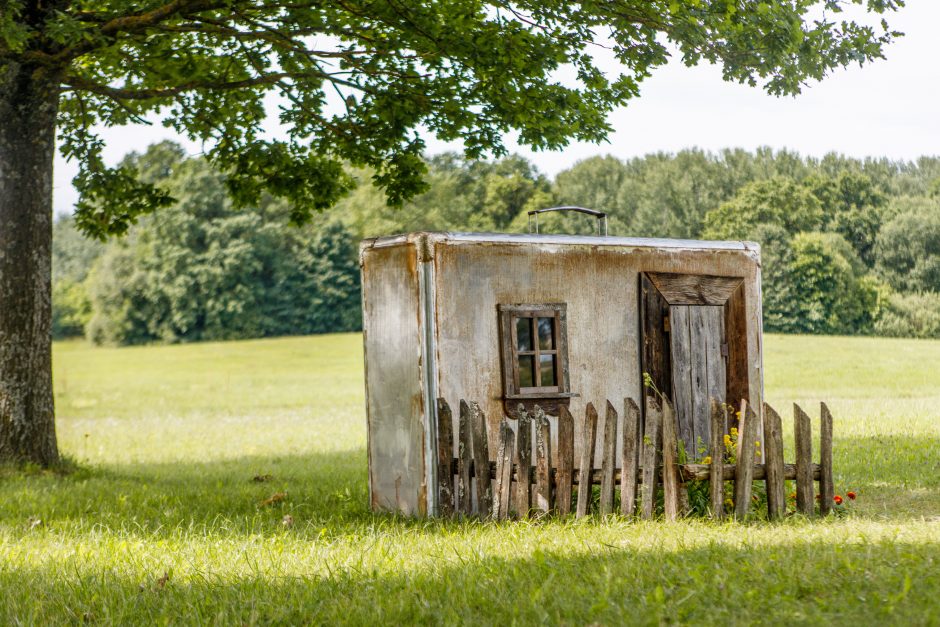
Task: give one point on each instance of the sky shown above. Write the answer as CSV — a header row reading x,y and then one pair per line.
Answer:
x,y
890,108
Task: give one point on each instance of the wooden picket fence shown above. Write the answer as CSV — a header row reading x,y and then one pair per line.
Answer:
x,y
514,484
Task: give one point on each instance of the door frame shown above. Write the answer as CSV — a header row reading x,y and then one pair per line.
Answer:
x,y
660,290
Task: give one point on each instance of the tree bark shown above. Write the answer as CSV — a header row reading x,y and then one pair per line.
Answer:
x,y
29,97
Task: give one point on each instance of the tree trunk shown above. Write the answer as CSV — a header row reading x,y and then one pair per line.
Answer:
x,y
29,99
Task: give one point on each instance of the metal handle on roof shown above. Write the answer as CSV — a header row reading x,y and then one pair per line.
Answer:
x,y
600,215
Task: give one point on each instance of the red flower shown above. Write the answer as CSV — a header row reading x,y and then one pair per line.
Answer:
x,y
837,499
851,495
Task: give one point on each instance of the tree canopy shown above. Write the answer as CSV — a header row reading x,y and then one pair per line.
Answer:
x,y
201,269
359,81
352,85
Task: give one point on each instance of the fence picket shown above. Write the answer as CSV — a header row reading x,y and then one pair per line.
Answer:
x,y
481,461
826,486
588,435
716,450
504,457
543,457
523,462
744,471
670,461
804,459
631,426
565,456
445,459
651,438
773,456
608,459
464,458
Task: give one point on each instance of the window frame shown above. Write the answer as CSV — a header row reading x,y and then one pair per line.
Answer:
x,y
509,350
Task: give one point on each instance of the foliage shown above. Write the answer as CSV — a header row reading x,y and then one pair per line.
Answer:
x,y
854,208
72,258
71,309
779,201
829,295
765,196
910,315
356,81
202,271
908,249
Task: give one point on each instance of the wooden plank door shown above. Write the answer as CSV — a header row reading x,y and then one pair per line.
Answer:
x,y
696,338
694,346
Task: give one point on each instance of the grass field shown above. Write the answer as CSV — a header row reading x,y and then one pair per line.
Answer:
x,y
161,522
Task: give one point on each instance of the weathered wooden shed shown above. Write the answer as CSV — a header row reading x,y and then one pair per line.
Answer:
x,y
552,320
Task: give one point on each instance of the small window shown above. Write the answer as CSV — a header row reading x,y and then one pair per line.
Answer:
x,y
534,351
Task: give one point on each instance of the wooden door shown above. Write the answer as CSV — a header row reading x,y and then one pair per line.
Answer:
x,y
694,346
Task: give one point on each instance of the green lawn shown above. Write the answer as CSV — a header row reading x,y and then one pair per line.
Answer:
x,y
168,440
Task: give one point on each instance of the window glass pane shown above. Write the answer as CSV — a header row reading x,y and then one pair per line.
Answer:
x,y
524,334
526,371
546,337
547,366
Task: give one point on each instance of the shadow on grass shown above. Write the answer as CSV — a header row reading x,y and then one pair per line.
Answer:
x,y
896,478
802,582
223,494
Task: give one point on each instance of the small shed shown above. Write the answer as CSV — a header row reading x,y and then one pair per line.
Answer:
x,y
552,320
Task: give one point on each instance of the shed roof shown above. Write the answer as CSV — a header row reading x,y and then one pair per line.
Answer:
x,y
753,248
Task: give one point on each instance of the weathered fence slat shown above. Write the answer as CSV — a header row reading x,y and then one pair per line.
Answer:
x,y
543,457
826,487
773,463
744,471
564,479
523,462
670,461
802,430
628,451
651,437
588,436
608,459
464,458
504,455
481,461
702,472
445,459
716,450
487,487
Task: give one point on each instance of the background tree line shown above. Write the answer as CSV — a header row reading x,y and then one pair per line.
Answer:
x,y
849,246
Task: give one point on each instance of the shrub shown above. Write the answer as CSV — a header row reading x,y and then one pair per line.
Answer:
x,y
910,315
907,254
71,309
829,295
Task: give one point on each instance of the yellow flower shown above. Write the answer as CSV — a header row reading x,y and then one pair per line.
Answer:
x,y
734,431
707,460
757,444
727,440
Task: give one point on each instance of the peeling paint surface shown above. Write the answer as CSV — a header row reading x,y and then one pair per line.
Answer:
x,y
395,404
